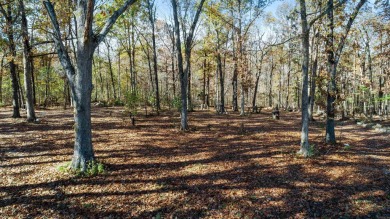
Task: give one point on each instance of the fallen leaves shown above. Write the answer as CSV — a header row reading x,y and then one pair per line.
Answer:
x,y
214,171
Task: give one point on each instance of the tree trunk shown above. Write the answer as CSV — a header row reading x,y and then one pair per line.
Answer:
x,y
182,73
221,83
305,147
1,79
152,18
270,83
11,62
235,88
332,90
27,61
80,74
110,69
255,91
242,110
188,70
313,84
81,91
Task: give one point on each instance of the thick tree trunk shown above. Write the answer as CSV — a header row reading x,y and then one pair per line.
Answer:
x,y
80,77
27,61
81,91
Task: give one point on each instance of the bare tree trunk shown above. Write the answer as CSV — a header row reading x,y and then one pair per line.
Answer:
x,y
110,69
188,69
270,83
152,18
313,83
305,147
27,61
1,79
11,62
332,90
221,83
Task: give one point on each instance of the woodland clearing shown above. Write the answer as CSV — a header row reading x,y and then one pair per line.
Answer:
x,y
226,166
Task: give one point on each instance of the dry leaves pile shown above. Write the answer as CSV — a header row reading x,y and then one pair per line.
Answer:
x,y
220,169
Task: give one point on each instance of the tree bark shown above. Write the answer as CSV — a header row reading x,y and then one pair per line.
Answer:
x,y
333,56
80,74
152,18
305,147
27,61
110,70
331,90
221,83
9,18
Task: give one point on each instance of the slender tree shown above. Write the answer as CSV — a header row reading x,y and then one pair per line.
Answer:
x,y
333,57
9,15
188,47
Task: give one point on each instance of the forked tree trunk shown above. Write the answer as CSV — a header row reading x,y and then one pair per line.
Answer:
x,y
333,55
80,73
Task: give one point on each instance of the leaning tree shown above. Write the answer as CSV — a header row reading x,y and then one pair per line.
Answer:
x,y
89,34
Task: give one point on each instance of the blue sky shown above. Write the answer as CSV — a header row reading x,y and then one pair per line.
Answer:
x,y
164,9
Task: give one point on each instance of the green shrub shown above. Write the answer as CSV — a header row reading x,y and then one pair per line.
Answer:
x,y
94,168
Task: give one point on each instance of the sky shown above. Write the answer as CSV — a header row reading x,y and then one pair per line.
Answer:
x,y
164,9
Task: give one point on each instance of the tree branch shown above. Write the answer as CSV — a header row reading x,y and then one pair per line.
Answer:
x,y
324,12
62,53
348,28
111,21
88,20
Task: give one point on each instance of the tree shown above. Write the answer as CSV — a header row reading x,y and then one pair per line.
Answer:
x,y
333,57
10,17
79,73
187,50
152,18
27,66
305,147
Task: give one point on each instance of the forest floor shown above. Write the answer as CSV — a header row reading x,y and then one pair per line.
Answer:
x,y
219,169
